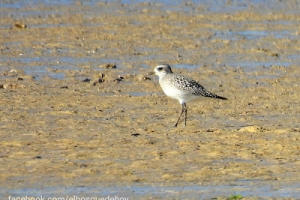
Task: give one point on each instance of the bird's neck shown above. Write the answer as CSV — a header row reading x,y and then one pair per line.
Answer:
x,y
162,76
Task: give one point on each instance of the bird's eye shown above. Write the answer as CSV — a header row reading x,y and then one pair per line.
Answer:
x,y
160,68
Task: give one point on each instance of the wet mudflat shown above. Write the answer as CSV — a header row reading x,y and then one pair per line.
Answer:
x,y
79,108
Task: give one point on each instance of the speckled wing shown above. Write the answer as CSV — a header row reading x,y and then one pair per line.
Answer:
x,y
191,86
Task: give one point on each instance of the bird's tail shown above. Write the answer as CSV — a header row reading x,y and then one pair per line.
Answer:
x,y
212,95
219,97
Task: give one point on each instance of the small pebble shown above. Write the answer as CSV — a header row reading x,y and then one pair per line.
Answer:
x,y
20,25
107,66
135,134
143,78
87,80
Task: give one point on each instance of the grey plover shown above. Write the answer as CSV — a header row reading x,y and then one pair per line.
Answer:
x,y
182,88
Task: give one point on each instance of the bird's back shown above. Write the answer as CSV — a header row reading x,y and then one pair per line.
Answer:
x,y
185,85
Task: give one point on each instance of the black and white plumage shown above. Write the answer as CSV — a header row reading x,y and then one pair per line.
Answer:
x,y
182,88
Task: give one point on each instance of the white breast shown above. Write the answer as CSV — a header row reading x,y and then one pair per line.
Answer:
x,y
180,95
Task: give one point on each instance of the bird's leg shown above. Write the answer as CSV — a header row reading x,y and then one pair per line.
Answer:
x,y
182,110
185,113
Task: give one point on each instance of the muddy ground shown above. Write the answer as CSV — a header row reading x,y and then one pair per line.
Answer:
x,y
80,108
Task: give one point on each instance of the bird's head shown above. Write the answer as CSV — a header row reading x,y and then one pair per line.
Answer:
x,y
162,69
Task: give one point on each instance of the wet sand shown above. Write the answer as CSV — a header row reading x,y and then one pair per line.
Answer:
x,y
70,119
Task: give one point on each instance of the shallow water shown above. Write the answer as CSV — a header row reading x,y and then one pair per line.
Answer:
x,y
264,189
62,59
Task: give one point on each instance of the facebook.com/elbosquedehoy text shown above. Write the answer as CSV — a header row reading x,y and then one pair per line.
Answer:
x,y
71,197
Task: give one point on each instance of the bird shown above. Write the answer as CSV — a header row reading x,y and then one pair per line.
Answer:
x,y
182,88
